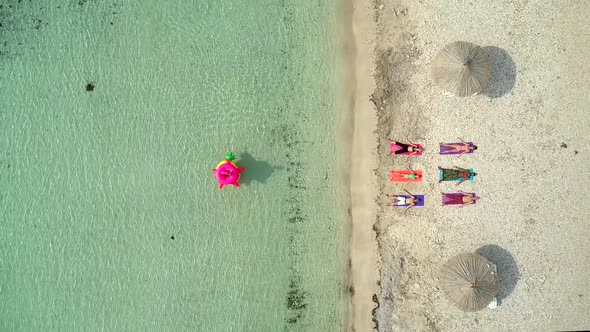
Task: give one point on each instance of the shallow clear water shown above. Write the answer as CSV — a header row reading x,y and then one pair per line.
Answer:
x,y
110,218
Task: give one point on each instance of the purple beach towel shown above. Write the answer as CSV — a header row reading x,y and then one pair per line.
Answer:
x,y
444,149
420,197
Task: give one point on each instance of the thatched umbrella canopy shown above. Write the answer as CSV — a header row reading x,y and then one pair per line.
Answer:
x,y
469,281
462,69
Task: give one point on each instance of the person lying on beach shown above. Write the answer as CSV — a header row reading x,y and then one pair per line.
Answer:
x,y
460,148
461,198
412,177
408,148
405,176
456,174
399,200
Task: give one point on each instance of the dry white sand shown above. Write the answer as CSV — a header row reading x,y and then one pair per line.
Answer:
x,y
532,129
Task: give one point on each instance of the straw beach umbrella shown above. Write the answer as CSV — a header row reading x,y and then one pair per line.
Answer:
x,y
469,281
462,69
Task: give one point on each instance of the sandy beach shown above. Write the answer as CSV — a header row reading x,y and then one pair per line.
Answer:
x,y
531,126
364,275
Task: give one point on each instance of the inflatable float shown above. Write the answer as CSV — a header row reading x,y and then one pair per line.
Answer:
x,y
227,172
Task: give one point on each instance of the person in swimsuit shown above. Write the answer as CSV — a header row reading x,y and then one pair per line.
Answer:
x,y
397,176
407,148
398,200
456,173
461,148
462,198
412,177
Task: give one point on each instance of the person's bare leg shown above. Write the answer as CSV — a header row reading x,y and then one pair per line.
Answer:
x,y
454,146
453,150
450,151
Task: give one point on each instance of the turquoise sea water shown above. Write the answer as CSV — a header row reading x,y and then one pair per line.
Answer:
x,y
110,218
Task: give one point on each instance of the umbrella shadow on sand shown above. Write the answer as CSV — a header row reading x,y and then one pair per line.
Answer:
x,y
256,170
503,73
507,269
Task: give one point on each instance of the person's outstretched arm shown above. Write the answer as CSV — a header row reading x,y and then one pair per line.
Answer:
x,y
410,143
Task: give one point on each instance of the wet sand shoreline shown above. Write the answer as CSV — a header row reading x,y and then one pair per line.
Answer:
x,y
363,246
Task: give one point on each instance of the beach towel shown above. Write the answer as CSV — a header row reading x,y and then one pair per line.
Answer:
x,y
455,198
400,149
419,203
453,175
445,149
401,175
